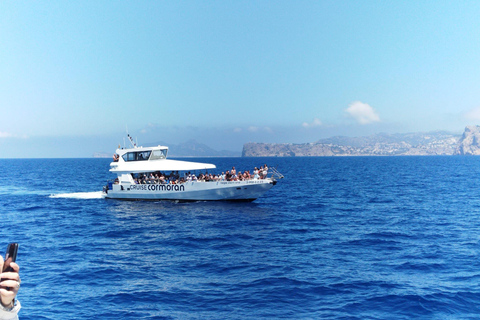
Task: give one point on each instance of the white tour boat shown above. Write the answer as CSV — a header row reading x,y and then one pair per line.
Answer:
x,y
145,173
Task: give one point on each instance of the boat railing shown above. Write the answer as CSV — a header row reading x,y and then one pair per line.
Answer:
x,y
274,173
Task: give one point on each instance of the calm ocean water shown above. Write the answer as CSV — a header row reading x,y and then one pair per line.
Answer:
x,y
338,238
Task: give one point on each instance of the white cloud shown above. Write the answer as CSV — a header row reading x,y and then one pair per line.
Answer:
x,y
237,130
362,112
259,129
316,123
5,135
11,135
473,115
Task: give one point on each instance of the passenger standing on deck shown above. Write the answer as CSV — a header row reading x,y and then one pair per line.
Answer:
x,y
265,171
255,174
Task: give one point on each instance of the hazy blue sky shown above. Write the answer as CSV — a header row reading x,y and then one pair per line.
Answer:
x,y
74,74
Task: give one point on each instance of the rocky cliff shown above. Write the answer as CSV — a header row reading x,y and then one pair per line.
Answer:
x,y
469,144
432,143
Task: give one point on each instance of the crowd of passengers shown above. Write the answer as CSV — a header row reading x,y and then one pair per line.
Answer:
x,y
175,178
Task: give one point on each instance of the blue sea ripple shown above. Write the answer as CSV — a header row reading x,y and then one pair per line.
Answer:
x,y
338,238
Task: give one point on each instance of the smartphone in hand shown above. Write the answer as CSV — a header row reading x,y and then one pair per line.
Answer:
x,y
10,256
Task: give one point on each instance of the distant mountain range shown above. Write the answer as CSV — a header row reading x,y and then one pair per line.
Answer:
x,y
190,148
383,144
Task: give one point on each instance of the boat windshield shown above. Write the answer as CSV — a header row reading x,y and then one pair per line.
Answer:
x,y
136,156
158,154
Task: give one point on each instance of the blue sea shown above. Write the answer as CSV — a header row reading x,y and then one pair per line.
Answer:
x,y
337,238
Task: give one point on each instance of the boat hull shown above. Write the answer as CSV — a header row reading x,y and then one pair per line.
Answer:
x,y
193,191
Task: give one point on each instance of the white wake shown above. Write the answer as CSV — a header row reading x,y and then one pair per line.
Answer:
x,y
79,195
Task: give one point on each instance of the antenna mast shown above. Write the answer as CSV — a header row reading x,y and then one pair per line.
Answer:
x,y
131,141
130,138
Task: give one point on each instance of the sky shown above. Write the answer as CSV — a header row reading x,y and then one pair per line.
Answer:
x,y
76,75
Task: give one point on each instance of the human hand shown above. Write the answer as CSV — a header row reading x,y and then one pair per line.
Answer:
x,y
9,284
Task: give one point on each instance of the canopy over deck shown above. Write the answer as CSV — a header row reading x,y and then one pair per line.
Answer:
x,y
158,165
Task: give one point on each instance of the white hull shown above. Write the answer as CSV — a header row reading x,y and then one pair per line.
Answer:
x,y
193,191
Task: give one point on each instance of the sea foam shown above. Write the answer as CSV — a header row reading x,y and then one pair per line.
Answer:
x,y
79,195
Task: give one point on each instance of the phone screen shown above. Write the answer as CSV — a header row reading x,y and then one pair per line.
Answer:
x,y
10,256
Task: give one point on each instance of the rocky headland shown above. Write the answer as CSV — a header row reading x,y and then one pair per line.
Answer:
x,y
408,144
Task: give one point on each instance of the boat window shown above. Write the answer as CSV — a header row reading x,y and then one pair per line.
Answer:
x,y
136,156
159,154
130,156
144,155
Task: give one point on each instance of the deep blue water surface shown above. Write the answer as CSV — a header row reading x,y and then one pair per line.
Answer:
x,y
338,238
